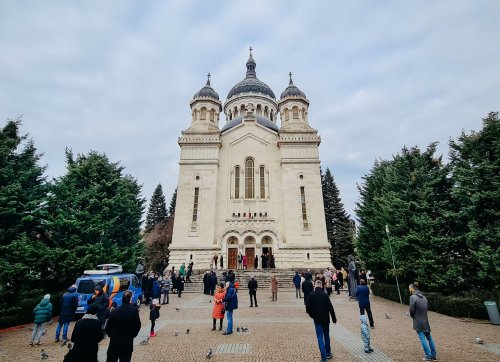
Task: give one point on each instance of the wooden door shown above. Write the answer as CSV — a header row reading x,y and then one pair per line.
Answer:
x,y
232,256
250,254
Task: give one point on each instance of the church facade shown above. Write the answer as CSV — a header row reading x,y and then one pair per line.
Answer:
x,y
250,184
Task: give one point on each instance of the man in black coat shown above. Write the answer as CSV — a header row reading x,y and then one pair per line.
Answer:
x,y
252,290
307,287
320,308
123,326
213,282
86,337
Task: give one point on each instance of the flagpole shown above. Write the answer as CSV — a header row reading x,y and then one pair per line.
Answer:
x,y
393,263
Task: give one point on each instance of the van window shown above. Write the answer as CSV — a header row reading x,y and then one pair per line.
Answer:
x,y
135,282
124,284
86,286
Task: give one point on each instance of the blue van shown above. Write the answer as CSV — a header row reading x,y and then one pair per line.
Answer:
x,y
114,283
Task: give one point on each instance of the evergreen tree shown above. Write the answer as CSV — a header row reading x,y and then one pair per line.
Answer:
x,y
157,242
338,223
173,201
475,161
157,209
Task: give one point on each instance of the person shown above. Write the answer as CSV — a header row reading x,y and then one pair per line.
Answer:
x,y
307,287
189,272
206,283
240,261
42,313
154,314
166,285
343,279
362,276
328,283
338,281
256,262
69,303
101,299
216,258
212,280
296,282
365,334
144,285
180,285
418,312
320,308
86,337
274,288
363,295
218,308
156,289
271,262
230,304
139,270
352,281
252,290
244,261
123,326
182,270
221,262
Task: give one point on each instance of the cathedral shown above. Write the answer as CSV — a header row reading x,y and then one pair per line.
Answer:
x,y
250,184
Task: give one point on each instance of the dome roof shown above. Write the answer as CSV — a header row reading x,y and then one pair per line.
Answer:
x,y
263,121
207,91
251,83
292,90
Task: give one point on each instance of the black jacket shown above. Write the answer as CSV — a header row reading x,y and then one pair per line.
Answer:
x,y
320,308
307,288
123,326
252,284
86,336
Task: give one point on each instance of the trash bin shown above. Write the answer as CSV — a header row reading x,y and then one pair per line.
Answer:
x,y
491,307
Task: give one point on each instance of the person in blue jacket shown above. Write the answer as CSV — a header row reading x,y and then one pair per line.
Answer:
x,y
69,303
296,282
231,303
363,296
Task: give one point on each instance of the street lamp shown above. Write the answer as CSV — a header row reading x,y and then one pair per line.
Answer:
x,y
393,263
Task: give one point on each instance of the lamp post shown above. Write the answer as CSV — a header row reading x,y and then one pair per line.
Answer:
x,y
393,263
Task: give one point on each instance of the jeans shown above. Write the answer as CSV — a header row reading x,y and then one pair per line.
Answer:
x,y
165,296
362,309
297,292
65,327
229,314
253,297
427,344
275,296
36,336
323,334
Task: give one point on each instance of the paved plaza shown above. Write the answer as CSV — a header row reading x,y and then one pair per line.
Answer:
x,y
279,331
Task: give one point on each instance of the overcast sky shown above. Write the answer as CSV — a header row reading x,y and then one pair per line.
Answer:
x,y
117,76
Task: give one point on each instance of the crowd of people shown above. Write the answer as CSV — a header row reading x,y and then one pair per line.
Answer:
x,y
122,324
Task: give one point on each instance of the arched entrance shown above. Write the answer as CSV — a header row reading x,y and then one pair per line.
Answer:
x,y
232,252
250,251
267,257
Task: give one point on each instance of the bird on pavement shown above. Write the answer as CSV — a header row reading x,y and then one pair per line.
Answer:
x,y
187,332
177,309
44,355
479,341
386,316
209,353
243,329
144,342
176,333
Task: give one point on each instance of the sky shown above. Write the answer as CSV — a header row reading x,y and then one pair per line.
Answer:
x,y
117,76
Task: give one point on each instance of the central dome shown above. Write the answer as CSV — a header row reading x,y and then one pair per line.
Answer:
x,y
251,84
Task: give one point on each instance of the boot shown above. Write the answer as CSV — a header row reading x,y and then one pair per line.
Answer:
x,y
213,328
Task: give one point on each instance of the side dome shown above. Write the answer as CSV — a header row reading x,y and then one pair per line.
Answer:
x,y
207,91
292,90
251,84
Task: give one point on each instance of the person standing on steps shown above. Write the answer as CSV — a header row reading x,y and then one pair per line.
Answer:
x,y
240,261
418,312
244,261
274,288
320,308
256,262
230,304
221,262
296,282
252,290
363,295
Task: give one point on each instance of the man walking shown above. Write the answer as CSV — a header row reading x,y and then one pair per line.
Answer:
x,y
69,303
320,308
418,311
296,282
363,295
123,326
231,303
252,289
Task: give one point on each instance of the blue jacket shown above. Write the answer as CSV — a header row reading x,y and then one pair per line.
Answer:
x,y
296,280
156,290
231,298
363,295
69,303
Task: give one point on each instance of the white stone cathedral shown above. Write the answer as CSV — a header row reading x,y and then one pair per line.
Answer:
x,y
250,185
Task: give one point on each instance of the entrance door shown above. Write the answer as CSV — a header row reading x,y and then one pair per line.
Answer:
x,y
268,260
232,254
250,254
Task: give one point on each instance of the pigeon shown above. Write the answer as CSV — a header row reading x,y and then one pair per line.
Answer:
x,y
479,340
209,353
386,316
176,333
177,309
44,355
144,342
244,329
187,332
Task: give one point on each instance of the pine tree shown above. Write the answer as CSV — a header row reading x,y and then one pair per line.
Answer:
x,y
338,223
157,209
173,201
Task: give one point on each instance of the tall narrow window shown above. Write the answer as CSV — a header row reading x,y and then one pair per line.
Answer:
x,y
262,183
195,204
295,112
303,202
237,182
249,189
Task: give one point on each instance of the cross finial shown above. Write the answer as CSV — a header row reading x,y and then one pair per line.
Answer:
x,y
208,78
290,74
251,51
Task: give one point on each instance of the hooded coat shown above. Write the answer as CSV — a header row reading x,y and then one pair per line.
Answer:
x,y
231,298
69,303
418,311
43,311
102,302
86,337
307,288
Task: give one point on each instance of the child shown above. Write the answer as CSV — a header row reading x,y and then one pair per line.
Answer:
x,y
218,309
154,314
42,313
365,333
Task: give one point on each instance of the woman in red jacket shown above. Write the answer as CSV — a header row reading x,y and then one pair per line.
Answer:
x,y
218,309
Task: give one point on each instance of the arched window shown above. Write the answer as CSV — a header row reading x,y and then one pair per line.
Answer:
x,y
303,113
287,115
235,112
249,182
266,112
259,110
295,112
272,115
242,110
203,113
262,183
237,182
212,115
